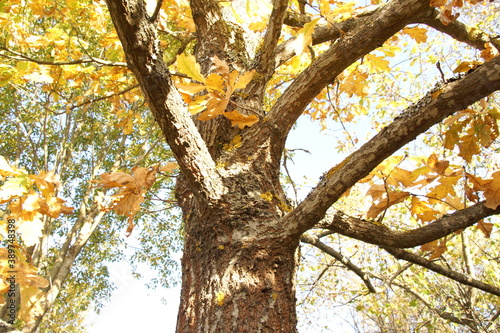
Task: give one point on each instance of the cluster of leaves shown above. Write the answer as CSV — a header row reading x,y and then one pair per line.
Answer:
x,y
429,192
132,189
27,200
218,86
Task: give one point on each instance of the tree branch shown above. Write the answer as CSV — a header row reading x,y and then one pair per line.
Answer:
x,y
144,57
368,34
441,313
21,57
461,278
314,241
378,234
459,31
432,108
267,63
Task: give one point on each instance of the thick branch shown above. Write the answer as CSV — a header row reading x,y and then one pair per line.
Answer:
x,y
368,34
459,31
140,43
461,278
314,241
413,121
378,234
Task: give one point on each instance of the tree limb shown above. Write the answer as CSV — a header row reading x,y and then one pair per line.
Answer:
x,y
314,241
441,313
461,278
21,57
416,119
144,57
368,34
459,31
378,234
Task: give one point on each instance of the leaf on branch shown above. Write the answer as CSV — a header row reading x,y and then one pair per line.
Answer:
x,y
394,198
417,33
304,37
186,64
489,187
376,63
132,188
485,227
240,120
466,66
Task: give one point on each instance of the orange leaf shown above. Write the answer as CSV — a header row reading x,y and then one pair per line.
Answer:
x,y
394,198
240,120
485,227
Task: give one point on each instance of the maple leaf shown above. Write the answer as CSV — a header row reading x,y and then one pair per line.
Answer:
x,y
394,198
304,37
490,188
240,120
485,228
186,64
418,34
376,63
468,146
132,188
47,182
422,210
436,165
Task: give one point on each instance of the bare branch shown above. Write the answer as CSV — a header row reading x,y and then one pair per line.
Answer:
x,y
378,234
21,57
416,119
441,313
461,278
314,241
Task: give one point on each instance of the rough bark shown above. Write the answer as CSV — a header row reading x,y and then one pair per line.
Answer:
x,y
240,235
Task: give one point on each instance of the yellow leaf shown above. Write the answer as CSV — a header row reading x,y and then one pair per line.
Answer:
x,y
240,120
190,88
186,64
215,82
418,34
355,84
169,167
465,66
304,37
422,210
243,80
436,165
489,52
376,63
394,198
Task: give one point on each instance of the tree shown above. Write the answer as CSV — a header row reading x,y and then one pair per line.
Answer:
x,y
249,81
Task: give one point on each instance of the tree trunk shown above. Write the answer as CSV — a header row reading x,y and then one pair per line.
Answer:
x,y
237,286
239,264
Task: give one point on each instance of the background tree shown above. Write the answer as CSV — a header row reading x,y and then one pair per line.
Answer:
x,y
243,77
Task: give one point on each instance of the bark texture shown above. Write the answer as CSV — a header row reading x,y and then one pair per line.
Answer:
x,y
241,236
